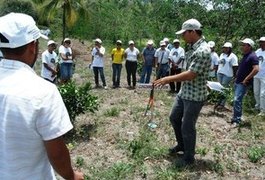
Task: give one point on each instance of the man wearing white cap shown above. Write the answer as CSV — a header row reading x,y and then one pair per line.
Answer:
x,y
148,62
66,61
168,44
193,92
98,53
214,61
33,116
49,62
162,61
259,79
177,63
247,69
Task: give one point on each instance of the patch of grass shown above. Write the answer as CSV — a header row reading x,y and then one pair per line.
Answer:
x,y
80,162
168,173
202,151
112,112
256,153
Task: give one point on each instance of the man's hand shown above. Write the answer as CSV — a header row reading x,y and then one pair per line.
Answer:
x,y
78,175
161,82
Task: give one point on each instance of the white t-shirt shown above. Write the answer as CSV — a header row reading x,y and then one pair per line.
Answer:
x,y
226,64
51,60
98,60
162,55
177,55
132,55
261,56
32,111
214,62
67,52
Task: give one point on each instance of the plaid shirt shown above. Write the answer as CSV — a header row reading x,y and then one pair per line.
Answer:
x,y
198,61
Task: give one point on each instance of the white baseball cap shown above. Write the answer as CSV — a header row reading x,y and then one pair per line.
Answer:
x,y
98,40
191,24
150,42
67,39
119,41
211,44
175,41
51,42
18,29
248,41
228,45
130,42
262,39
162,43
166,39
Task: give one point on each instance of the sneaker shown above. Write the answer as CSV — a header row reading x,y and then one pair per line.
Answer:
x,y
184,163
105,87
235,125
175,149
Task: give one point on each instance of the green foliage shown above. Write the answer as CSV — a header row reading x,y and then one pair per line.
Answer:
x,y
78,100
256,153
112,112
80,162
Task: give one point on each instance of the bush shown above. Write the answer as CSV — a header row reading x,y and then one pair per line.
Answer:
x,y
78,100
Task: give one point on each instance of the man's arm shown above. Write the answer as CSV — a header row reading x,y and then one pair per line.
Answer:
x,y
59,158
184,76
254,71
54,72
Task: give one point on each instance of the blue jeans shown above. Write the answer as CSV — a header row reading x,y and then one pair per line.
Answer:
x,y
162,71
66,71
240,91
99,70
225,81
184,124
116,74
146,74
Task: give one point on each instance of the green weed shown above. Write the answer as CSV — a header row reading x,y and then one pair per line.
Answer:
x,y
255,153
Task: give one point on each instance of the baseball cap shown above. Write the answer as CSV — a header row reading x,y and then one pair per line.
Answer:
x,y
166,39
262,39
18,29
50,42
98,40
175,41
228,45
162,43
211,44
191,24
131,42
119,42
150,42
66,39
248,41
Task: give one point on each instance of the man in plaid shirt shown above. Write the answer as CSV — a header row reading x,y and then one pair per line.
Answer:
x,y
193,92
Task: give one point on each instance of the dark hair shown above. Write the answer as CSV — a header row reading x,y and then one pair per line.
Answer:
x,y
17,51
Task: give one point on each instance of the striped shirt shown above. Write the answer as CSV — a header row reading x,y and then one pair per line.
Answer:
x,y
198,61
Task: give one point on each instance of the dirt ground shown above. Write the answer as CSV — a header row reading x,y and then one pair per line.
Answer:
x,y
100,149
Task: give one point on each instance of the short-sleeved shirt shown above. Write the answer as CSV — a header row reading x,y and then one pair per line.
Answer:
x,y
98,61
226,64
261,57
214,62
148,54
67,52
162,55
245,67
132,54
51,60
198,61
117,55
177,55
32,111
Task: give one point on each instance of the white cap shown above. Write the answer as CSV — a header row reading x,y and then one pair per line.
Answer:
x,y
130,42
98,40
66,39
18,30
191,24
50,42
228,45
166,39
248,41
175,41
262,39
162,43
119,41
211,44
150,42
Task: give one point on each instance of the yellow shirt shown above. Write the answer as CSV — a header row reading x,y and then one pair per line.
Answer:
x,y
117,55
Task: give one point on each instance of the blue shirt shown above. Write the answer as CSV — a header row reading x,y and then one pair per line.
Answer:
x,y
148,54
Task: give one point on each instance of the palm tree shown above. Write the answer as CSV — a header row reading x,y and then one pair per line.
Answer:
x,y
71,10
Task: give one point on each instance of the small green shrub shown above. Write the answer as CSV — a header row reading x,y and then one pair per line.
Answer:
x,y
78,100
113,112
80,162
256,153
